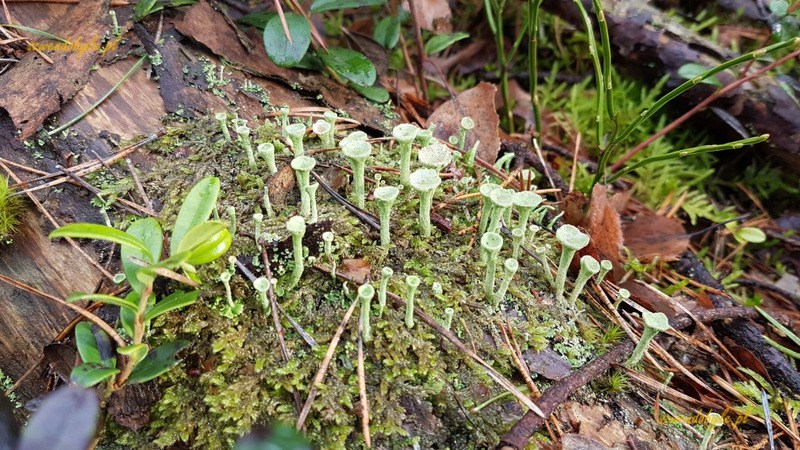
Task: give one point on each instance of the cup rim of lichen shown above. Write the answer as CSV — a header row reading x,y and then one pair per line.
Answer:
x,y
303,162
526,199
357,149
502,197
321,123
296,225
571,237
435,155
386,193
425,179
405,132
357,135
590,263
492,241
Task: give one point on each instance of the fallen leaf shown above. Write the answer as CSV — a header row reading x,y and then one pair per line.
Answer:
x,y
574,207
650,235
434,15
280,185
604,226
357,269
749,360
477,103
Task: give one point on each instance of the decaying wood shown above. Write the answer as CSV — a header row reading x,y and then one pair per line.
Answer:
x,y
32,90
28,322
743,332
648,44
518,436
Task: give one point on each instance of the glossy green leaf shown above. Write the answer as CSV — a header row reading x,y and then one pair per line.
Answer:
x,y
693,70
279,49
351,65
195,210
135,353
174,301
387,32
86,343
158,361
128,319
104,298
330,5
145,7
779,7
89,374
149,232
376,94
442,41
205,242
100,232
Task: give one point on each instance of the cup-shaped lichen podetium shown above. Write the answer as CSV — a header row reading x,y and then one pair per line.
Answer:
x,y
297,227
589,267
303,165
435,156
572,240
404,134
502,200
357,153
525,202
295,132
486,190
412,283
357,135
324,130
654,323
365,294
425,181
243,135
491,243
266,151
385,197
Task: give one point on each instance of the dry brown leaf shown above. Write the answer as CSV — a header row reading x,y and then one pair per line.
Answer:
x,y
604,226
434,15
649,235
477,103
357,270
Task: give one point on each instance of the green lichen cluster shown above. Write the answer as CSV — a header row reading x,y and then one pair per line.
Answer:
x,y
419,388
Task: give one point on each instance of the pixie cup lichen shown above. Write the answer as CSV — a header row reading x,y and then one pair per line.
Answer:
x,y
295,132
385,197
486,190
713,421
605,267
386,274
425,182
622,295
491,243
267,152
424,137
510,267
589,267
571,240
357,153
467,124
324,130
412,283
261,285
303,165
357,135
448,318
525,202
654,323
517,236
297,227
222,118
243,136
435,156
365,294
311,190
501,200
404,134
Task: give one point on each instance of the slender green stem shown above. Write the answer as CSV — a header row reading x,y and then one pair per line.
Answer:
x,y
533,62
666,98
598,74
605,42
688,152
101,100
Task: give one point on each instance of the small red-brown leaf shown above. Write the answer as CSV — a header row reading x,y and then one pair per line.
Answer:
x,y
477,103
649,235
356,269
604,226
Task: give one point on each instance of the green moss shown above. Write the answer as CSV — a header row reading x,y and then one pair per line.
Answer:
x,y
419,388
10,208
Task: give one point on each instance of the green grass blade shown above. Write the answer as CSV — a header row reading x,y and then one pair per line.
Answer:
x,y
779,326
36,32
689,152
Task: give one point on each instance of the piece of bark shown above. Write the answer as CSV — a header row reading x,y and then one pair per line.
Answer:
x,y
32,90
648,44
742,331
131,405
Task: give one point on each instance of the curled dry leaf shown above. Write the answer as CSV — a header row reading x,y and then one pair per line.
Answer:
x,y
604,227
434,15
356,269
477,103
